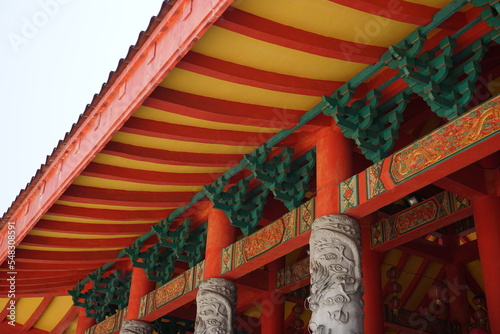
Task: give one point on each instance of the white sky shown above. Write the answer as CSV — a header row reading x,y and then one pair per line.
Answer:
x,y
54,56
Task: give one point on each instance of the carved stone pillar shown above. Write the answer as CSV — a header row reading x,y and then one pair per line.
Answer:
x,y
336,286
136,327
216,303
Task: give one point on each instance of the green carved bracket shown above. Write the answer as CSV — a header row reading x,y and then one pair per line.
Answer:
x,y
107,295
244,207
287,179
372,126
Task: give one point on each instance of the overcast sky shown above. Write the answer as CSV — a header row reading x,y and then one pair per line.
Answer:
x,y
55,55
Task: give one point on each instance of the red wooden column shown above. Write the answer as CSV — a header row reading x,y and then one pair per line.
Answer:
x,y
83,322
371,263
487,220
333,165
220,234
273,302
139,286
457,286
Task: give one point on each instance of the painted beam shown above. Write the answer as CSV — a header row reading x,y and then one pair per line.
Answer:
x,y
421,219
269,243
244,256
457,144
293,277
185,22
468,182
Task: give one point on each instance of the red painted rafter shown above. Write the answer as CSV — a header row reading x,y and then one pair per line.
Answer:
x,y
36,314
44,282
34,275
17,329
65,321
249,76
403,11
48,257
425,300
410,289
428,250
472,283
106,214
34,240
29,267
147,177
279,34
48,287
44,292
168,41
5,311
223,111
99,229
163,130
91,195
167,157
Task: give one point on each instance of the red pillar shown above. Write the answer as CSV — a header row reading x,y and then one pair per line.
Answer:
x,y
273,302
457,286
487,220
333,165
371,263
139,286
83,322
459,304
220,234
